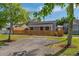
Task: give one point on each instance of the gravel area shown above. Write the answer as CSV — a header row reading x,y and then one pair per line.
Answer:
x,y
35,46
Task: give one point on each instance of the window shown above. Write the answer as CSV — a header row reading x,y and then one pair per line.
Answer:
x,y
46,28
31,28
41,28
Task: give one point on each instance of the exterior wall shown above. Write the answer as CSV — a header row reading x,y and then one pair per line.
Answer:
x,y
75,29
54,26
37,27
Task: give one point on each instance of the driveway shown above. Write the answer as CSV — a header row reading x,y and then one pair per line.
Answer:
x,y
35,46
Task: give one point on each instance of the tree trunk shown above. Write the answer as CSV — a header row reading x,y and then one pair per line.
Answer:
x,y
11,24
10,32
69,38
70,26
9,37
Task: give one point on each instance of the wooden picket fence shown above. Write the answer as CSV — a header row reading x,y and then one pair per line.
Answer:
x,y
39,32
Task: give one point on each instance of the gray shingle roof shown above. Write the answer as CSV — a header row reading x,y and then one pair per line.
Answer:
x,y
43,22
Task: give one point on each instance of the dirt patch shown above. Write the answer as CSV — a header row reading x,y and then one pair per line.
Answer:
x,y
72,46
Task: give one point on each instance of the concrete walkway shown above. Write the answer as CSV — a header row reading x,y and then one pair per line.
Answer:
x,y
36,46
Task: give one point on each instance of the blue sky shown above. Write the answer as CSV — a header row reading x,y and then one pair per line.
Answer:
x,y
58,12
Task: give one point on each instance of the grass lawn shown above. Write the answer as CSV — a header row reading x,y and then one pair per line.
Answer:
x,y
13,37
69,51
2,44
72,35
72,51
3,36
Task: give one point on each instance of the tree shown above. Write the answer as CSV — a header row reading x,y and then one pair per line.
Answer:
x,y
36,17
62,21
2,19
2,23
48,9
14,14
59,22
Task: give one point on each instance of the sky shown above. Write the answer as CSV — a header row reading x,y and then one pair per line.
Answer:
x,y
57,13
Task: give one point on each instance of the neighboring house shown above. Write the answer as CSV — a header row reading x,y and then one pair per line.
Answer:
x,y
4,31
75,27
44,25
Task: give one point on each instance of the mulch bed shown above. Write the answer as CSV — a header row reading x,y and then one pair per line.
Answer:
x,y
72,46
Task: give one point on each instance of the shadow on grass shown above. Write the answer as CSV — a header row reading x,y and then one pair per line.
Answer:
x,y
65,47
3,44
7,40
59,52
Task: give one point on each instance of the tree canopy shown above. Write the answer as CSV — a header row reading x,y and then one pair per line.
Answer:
x,y
62,21
13,12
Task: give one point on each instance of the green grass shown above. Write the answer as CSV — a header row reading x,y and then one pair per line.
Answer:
x,y
3,36
13,37
72,51
69,51
56,38
2,44
72,35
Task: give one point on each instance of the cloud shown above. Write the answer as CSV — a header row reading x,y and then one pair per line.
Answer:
x,y
39,8
34,9
57,9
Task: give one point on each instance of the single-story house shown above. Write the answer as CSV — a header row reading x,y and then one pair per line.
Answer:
x,y
38,28
44,28
44,25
